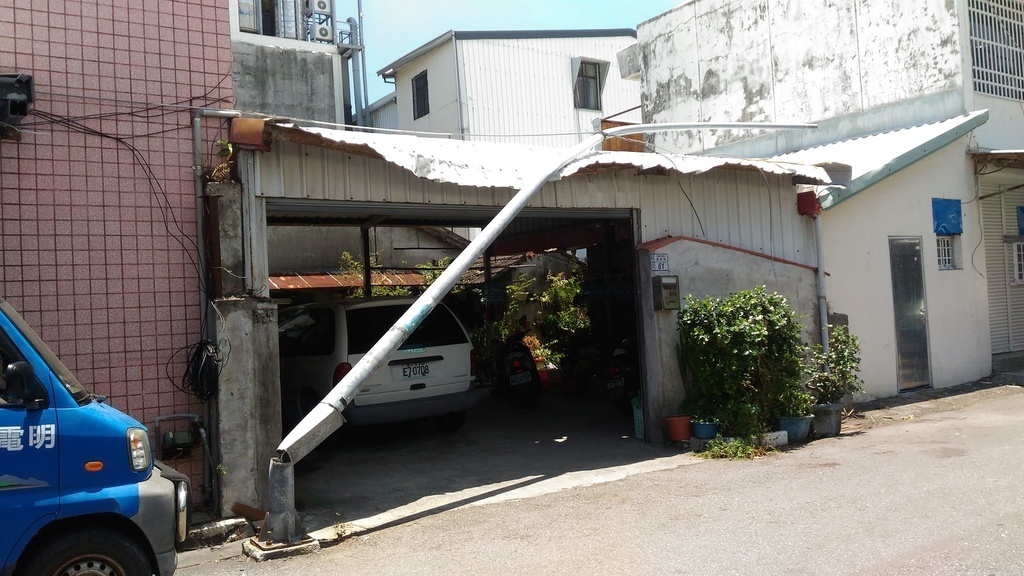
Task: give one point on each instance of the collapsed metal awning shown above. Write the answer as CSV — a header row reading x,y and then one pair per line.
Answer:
x,y
497,165
873,158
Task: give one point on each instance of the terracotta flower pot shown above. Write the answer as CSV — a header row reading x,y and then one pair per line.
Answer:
x,y
678,428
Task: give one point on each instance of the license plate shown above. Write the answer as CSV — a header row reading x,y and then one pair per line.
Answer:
x,y
415,370
618,383
521,378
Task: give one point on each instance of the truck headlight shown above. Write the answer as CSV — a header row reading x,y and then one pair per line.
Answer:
x,y
182,508
138,449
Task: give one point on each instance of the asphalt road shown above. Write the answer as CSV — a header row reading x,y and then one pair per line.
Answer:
x,y
926,492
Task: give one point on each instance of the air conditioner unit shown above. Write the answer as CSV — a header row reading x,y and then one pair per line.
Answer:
x,y
323,7
323,33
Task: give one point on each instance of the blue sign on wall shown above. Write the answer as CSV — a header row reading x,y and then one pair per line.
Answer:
x,y
947,217
1020,220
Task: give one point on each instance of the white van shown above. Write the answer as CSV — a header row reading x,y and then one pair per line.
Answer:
x,y
430,376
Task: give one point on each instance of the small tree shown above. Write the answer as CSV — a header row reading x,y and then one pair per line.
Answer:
x,y
745,358
834,374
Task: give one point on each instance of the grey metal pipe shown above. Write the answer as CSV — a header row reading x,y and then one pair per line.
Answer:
x,y
326,417
822,300
357,72
204,297
362,57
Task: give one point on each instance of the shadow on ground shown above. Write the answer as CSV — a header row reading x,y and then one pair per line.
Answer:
x,y
374,477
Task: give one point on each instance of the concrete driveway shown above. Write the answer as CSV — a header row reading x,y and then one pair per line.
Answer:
x,y
931,487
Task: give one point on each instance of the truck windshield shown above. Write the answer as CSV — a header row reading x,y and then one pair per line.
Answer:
x,y
66,378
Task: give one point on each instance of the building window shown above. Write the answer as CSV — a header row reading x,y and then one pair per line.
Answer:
x,y
588,86
1018,262
420,101
997,47
947,252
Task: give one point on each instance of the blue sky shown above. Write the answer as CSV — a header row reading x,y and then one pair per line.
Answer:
x,y
397,27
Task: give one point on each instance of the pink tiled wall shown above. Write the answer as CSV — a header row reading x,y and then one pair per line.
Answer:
x,y
98,258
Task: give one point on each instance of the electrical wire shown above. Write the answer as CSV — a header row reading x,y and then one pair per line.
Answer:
x,y
202,369
204,358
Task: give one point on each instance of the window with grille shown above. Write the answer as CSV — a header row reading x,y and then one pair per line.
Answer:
x,y
947,252
588,86
1018,262
420,101
997,47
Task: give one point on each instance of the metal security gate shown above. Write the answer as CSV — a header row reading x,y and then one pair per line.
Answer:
x,y
1005,293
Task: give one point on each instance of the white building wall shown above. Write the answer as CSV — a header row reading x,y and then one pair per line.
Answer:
x,y
517,90
859,284
791,61
441,89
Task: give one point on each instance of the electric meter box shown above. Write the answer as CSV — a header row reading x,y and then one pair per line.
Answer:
x,y
666,292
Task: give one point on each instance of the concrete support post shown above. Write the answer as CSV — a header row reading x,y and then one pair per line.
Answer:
x,y
248,400
229,268
654,401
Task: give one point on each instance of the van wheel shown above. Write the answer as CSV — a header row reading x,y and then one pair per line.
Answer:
x,y
95,551
451,421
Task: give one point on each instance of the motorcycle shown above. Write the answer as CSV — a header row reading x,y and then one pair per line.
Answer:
x,y
622,376
521,378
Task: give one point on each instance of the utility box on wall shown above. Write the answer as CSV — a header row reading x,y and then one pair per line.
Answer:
x,y
666,292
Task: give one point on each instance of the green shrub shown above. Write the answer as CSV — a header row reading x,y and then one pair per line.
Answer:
x,y
833,374
734,449
744,359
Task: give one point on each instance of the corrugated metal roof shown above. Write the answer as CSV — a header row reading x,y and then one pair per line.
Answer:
x,y
876,157
328,280
487,164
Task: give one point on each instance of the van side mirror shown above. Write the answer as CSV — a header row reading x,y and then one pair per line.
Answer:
x,y
16,381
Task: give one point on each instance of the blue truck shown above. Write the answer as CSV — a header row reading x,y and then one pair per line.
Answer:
x,y
80,492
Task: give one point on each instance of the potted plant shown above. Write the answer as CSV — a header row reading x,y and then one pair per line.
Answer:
x,y
740,354
833,375
704,427
795,414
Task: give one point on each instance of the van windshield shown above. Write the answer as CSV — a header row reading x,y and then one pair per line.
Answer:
x,y
66,378
367,325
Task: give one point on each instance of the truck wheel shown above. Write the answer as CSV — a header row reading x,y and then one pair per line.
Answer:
x,y
95,552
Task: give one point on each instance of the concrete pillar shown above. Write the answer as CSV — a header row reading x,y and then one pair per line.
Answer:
x,y
248,400
653,353
228,262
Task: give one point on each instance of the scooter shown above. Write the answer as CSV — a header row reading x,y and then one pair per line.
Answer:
x,y
521,378
622,376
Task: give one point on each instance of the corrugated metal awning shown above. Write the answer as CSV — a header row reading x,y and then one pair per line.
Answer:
x,y
334,280
495,165
876,157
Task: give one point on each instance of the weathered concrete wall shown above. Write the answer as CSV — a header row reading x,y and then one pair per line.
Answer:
x,y
706,270
791,61
282,82
248,400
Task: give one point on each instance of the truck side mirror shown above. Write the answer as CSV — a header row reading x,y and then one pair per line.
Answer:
x,y
16,380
